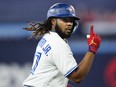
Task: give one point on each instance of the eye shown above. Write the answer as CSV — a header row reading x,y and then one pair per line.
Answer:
x,y
67,19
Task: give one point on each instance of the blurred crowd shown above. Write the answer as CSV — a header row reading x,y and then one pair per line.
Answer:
x,y
103,16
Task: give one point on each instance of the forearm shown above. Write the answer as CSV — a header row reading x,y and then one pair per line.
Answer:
x,y
83,68
85,64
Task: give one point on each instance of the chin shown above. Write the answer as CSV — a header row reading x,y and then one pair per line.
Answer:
x,y
67,35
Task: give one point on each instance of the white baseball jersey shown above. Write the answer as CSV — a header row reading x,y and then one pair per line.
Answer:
x,y
53,62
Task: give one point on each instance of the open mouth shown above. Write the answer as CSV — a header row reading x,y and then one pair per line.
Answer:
x,y
68,30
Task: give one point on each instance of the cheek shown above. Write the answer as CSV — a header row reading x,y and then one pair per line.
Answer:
x,y
62,26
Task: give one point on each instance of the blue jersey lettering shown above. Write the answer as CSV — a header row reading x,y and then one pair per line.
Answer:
x,y
38,55
46,49
42,42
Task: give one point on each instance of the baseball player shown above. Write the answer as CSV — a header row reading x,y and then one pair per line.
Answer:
x,y
54,63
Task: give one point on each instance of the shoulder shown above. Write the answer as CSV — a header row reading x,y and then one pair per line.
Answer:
x,y
53,37
55,40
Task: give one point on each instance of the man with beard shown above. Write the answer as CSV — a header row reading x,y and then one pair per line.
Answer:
x,y
54,63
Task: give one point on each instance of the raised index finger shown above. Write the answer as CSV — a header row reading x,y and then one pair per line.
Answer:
x,y
91,30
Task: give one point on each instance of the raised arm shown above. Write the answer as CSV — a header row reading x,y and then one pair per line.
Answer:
x,y
84,66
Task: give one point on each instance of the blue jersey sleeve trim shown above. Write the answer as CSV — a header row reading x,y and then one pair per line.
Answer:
x,y
70,71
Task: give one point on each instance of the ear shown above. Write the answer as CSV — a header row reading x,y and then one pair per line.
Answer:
x,y
53,21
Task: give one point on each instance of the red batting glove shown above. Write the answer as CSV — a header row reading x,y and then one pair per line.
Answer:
x,y
93,41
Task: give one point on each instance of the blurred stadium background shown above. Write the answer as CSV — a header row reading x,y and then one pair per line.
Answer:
x,y
16,51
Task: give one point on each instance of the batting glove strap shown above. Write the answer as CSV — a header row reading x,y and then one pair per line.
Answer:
x,y
93,49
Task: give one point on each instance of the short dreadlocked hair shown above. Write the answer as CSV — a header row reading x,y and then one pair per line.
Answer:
x,y
39,28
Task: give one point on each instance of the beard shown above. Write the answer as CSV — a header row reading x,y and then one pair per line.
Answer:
x,y
61,33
